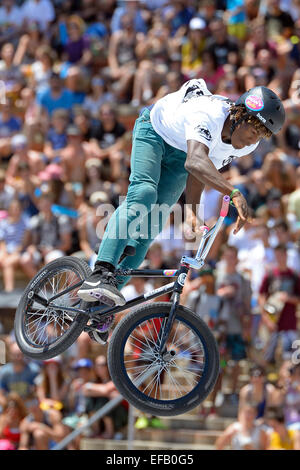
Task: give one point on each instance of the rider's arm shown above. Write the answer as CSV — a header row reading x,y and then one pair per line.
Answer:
x,y
201,167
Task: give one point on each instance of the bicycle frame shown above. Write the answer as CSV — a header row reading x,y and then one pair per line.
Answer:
x,y
176,287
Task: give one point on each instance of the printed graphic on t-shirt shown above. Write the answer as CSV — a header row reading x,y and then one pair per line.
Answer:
x,y
193,91
228,160
204,132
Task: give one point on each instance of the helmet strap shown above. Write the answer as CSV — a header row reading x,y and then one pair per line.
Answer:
x,y
234,125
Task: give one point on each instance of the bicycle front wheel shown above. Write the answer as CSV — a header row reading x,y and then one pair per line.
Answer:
x,y
165,384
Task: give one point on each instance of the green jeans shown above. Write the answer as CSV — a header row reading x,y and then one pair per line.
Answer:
x,y
157,177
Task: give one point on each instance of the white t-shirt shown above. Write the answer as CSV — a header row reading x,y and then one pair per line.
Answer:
x,y
193,113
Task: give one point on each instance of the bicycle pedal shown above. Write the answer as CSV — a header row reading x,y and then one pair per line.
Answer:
x,y
100,338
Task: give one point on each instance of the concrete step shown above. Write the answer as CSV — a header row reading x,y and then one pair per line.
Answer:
x,y
186,436
194,422
107,444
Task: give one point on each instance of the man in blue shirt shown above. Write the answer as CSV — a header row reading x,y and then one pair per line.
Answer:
x,y
130,6
55,97
17,376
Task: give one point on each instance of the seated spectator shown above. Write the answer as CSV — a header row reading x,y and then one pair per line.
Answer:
x,y
9,126
178,15
13,413
235,292
279,297
17,375
7,193
94,180
109,134
97,394
77,48
278,22
54,97
280,438
260,190
57,136
282,236
40,71
50,237
224,48
10,73
98,97
77,401
130,7
28,45
40,429
75,83
264,67
14,237
259,393
89,230
24,186
22,154
210,71
258,40
245,433
274,210
153,57
192,48
173,83
52,384
11,18
291,402
39,10
236,19
73,156
122,57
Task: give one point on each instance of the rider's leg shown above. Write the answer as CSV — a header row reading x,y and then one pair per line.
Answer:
x,y
171,185
147,152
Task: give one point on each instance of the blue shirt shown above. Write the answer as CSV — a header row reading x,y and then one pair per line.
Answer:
x,y
58,141
13,233
139,23
7,128
19,382
234,5
46,100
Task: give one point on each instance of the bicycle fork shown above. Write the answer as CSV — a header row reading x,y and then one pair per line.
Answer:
x,y
164,332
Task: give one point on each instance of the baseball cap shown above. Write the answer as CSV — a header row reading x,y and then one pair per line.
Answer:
x,y
83,362
197,24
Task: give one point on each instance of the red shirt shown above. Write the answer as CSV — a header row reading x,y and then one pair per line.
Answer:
x,y
284,281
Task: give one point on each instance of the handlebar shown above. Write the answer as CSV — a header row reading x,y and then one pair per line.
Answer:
x,y
225,206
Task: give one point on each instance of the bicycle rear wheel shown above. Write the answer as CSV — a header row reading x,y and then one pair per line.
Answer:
x,y
168,384
43,332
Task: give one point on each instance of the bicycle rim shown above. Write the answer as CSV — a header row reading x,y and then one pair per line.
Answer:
x,y
169,378
43,326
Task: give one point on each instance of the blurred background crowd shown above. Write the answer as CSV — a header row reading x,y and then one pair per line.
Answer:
x,y
76,74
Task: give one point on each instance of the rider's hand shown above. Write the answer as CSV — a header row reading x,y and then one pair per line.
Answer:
x,y
243,211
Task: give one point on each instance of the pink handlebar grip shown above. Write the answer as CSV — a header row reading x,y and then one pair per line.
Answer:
x,y
225,206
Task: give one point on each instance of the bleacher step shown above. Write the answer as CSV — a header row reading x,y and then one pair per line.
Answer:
x,y
107,444
178,436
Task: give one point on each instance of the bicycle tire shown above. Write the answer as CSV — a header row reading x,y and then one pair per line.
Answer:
x,y
123,382
82,269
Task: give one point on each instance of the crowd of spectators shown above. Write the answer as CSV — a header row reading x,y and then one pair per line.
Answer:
x,y
74,75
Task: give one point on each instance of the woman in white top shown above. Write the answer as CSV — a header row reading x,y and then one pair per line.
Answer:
x,y
245,433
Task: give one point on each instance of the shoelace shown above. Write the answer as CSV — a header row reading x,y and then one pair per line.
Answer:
x,y
109,277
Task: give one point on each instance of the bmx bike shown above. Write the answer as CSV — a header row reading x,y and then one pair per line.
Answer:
x,y
162,357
